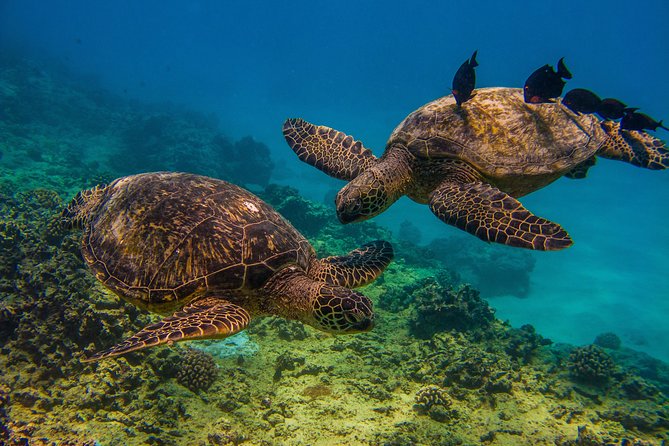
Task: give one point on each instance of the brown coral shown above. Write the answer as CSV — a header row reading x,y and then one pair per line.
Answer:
x,y
591,364
435,402
197,371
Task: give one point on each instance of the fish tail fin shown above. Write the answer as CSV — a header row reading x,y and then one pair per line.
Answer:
x,y
562,70
472,61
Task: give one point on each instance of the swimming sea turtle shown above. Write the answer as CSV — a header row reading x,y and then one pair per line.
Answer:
x,y
469,162
218,255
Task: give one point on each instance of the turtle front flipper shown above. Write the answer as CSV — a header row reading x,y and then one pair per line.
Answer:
x,y
328,150
634,147
357,268
207,318
494,216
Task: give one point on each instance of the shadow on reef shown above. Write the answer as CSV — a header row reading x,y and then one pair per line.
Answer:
x,y
438,368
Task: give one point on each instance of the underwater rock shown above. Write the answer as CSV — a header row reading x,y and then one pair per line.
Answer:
x,y
251,162
292,331
317,391
608,340
197,370
286,361
591,364
639,419
186,141
637,388
477,369
439,308
521,343
308,217
435,402
224,434
4,395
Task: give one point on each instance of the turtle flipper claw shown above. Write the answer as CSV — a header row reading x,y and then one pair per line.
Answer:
x,y
328,150
206,318
494,216
357,268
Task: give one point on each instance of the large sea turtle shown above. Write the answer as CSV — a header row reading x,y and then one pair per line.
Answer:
x,y
468,162
218,255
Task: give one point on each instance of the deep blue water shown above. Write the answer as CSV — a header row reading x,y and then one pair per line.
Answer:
x,y
362,66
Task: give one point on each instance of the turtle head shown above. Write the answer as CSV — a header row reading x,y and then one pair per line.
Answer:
x,y
364,197
341,310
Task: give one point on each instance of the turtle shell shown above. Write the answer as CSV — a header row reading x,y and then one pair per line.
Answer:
x,y
500,135
165,237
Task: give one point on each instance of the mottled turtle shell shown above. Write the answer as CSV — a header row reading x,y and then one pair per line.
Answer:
x,y
500,135
168,237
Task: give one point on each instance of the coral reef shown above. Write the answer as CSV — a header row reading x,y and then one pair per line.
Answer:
x,y
591,364
434,401
521,343
197,370
608,340
440,308
308,217
187,141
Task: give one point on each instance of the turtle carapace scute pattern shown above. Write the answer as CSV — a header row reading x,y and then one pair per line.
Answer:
x,y
471,162
214,256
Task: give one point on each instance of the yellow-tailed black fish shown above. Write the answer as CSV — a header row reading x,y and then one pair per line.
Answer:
x,y
633,120
580,100
545,83
611,108
464,80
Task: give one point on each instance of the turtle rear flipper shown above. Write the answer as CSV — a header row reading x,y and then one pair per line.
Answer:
x,y
207,318
328,150
580,171
494,216
634,147
82,207
357,268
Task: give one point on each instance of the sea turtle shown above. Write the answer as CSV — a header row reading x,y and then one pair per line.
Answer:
x,y
468,162
216,254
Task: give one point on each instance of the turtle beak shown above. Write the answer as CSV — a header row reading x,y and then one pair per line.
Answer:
x,y
365,324
346,217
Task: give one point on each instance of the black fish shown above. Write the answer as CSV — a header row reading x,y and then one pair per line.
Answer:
x,y
465,80
611,108
545,84
633,120
580,100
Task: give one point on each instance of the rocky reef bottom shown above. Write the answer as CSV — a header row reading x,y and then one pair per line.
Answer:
x,y
438,369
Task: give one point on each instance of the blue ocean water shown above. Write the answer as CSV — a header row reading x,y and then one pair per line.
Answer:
x,y
362,66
